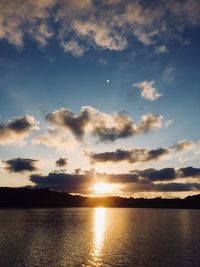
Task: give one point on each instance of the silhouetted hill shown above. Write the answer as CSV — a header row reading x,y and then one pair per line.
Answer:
x,y
38,198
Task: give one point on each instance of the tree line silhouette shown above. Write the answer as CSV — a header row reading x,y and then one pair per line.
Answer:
x,y
45,198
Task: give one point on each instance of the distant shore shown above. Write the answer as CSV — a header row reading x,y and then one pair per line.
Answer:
x,y
45,198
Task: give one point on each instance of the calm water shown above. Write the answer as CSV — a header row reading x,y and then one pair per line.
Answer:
x,y
99,237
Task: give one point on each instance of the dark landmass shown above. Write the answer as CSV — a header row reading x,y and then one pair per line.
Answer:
x,y
45,198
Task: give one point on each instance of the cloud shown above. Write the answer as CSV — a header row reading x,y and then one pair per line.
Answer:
x,y
147,176
162,187
190,172
17,129
109,128
161,49
106,127
67,119
147,90
56,139
164,174
177,187
185,145
138,155
72,183
61,162
41,33
149,180
188,10
168,123
112,25
25,17
168,75
108,26
100,34
187,148
20,165
73,47
131,156
149,122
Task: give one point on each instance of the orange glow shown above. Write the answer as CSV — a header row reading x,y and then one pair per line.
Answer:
x,y
104,188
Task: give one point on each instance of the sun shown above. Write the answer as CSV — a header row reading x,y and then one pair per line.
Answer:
x,y
104,188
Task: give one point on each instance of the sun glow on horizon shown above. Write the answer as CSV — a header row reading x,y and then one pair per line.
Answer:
x,y
105,188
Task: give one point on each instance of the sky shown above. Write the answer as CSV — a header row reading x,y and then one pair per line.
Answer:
x,y
100,97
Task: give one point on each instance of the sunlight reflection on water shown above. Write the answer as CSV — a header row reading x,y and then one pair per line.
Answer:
x,y
98,231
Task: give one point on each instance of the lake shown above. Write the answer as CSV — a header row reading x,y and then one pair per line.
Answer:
x,y
99,237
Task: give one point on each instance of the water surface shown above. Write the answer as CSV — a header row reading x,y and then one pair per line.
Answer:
x,y
99,237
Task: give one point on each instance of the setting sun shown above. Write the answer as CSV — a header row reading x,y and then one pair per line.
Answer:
x,y
104,188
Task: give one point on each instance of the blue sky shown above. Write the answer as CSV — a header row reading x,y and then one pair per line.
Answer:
x,y
116,57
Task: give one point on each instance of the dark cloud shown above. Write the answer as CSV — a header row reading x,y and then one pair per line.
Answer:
x,y
149,180
190,172
125,127
118,178
166,174
106,127
72,183
177,187
107,135
20,124
118,155
20,165
157,153
120,126
17,129
61,162
131,156
65,118
158,175
77,171
142,154
163,187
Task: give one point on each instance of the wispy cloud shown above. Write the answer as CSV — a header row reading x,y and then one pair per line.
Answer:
x,y
162,49
56,139
73,47
21,18
107,24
